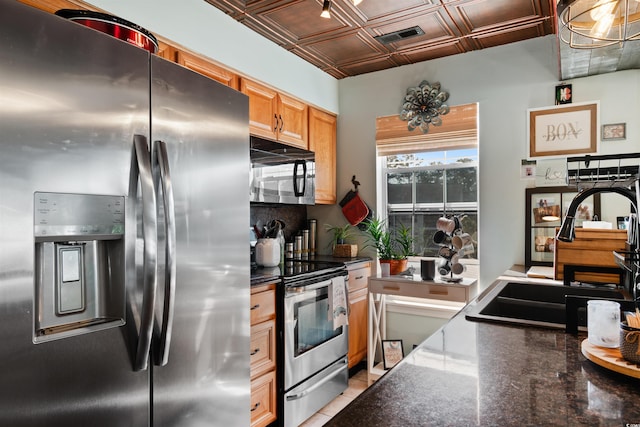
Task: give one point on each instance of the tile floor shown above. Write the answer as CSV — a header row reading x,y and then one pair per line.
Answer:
x,y
357,384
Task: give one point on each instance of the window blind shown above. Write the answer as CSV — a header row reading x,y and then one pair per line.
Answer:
x,y
459,130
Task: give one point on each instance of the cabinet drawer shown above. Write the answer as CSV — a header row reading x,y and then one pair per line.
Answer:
x,y
407,288
263,306
263,348
263,400
358,277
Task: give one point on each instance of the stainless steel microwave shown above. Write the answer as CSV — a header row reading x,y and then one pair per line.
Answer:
x,y
281,173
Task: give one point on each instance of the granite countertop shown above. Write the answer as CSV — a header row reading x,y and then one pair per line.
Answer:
x,y
483,374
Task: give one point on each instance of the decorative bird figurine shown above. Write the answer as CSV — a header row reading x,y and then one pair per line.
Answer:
x,y
355,182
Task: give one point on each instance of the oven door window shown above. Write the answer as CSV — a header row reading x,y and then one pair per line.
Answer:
x,y
313,325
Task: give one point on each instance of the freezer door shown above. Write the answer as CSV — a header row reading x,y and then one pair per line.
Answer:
x,y
205,127
71,100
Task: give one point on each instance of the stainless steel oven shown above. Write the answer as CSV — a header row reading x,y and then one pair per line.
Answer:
x,y
315,353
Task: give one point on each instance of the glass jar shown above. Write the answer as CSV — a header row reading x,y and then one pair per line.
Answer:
x,y
268,252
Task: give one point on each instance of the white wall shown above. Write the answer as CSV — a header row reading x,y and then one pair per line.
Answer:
x,y
202,28
505,81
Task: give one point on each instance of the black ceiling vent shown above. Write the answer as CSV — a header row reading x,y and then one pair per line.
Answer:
x,y
396,36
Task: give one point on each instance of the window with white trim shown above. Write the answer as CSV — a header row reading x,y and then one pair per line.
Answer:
x,y
425,176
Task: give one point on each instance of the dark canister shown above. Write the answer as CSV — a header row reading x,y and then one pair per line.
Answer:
x,y
427,269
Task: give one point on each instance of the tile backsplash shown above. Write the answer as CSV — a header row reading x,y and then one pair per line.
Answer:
x,y
293,216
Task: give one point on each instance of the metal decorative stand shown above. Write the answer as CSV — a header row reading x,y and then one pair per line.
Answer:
x,y
454,244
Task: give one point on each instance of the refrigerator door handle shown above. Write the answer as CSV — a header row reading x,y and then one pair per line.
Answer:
x,y
141,168
169,280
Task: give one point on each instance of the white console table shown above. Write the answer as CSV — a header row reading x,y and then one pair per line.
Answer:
x,y
380,287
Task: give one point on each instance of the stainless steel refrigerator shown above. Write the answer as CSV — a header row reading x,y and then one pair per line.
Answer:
x,y
124,269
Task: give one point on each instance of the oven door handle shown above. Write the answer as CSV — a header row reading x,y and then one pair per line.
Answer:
x,y
292,291
321,382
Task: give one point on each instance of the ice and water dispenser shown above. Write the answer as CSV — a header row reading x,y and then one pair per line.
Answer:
x,y
79,263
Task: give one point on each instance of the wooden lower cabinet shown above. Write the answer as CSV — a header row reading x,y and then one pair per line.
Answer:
x,y
263,400
358,302
359,309
263,355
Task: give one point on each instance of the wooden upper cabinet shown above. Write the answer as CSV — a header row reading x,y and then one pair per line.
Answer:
x,y
209,69
322,141
263,107
167,51
293,118
275,116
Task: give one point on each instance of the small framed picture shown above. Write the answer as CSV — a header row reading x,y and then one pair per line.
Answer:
x,y
614,131
563,94
392,353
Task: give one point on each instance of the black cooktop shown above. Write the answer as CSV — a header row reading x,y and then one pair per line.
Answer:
x,y
293,270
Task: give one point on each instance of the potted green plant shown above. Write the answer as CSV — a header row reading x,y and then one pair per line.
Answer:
x,y
391,247
339,246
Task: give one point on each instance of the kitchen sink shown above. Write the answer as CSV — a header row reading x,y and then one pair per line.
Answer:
x,y
537,304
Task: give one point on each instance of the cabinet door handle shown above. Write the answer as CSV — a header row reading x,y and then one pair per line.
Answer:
x,y
255,307
254,352
281,122
359,277
275,128
255,406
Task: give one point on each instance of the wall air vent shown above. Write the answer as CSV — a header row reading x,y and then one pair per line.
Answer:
x,y
399,35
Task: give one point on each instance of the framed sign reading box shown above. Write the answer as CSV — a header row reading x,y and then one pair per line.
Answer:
x,y
563,130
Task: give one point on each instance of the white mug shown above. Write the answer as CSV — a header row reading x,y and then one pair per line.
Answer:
x,y
466,250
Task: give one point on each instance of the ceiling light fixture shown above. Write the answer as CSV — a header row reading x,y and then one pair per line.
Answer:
x,y
590,24
326,8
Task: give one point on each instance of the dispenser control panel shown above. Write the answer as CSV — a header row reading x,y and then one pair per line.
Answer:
x,y
77,215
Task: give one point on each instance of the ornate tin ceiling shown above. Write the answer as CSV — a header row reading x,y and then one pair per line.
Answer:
x,y
381,34
346,44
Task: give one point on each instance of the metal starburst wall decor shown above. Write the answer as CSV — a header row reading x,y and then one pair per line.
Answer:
x,y
423,105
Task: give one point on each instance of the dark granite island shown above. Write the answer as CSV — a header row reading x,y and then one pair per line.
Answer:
x,y
482,374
